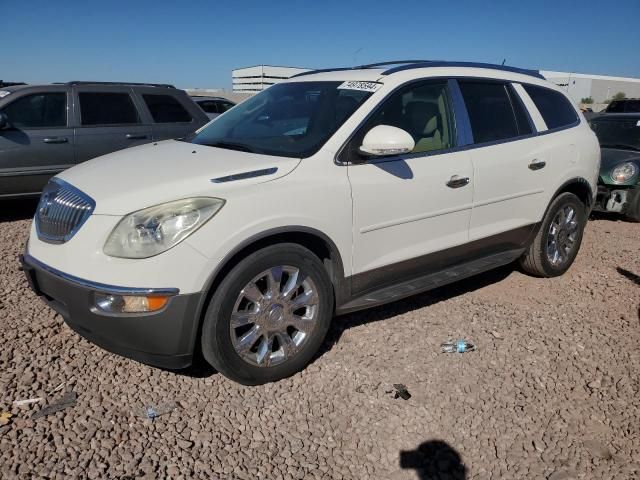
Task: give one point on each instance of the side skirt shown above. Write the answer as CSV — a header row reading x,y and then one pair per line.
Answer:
x,y
429,281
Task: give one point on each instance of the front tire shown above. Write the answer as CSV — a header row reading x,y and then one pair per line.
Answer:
x,y
269,315
556,244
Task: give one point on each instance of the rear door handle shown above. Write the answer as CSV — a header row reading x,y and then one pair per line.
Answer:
x,y
457,181
133,136
537,164
55,140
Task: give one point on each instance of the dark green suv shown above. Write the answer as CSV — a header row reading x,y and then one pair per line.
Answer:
x,y
45,129
619,179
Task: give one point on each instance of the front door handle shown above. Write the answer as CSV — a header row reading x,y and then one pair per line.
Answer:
x,y
133,136
537,164
55,140
457,181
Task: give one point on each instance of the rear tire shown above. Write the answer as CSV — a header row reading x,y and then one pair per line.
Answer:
x,y
558,240
269,315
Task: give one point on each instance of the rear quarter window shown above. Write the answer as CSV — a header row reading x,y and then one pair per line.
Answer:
x,y
555,108
166,109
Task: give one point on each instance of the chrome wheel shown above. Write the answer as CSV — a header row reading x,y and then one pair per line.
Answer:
x,y
274,315
562,235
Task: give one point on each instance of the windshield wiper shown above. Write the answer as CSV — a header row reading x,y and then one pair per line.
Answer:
x,y
231,146
622,146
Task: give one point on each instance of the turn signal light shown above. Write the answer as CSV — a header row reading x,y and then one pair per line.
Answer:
x,y
112,303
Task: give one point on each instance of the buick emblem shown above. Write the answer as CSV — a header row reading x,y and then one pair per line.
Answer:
x,y
45,204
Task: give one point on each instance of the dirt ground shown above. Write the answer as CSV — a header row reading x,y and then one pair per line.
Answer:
x,y
552,390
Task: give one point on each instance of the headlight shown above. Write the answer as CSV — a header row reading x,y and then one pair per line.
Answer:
x,y
151,231
624,172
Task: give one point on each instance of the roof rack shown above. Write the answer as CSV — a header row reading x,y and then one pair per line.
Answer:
x,y
84,82
490,66
410,64
359,67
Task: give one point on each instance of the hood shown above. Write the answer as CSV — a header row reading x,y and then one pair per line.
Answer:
x,y
139,177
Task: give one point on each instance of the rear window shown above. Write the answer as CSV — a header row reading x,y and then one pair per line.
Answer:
x,y
166,109
555,108
490,111
624,106
107,108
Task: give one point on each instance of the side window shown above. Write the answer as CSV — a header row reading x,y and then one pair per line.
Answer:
x,y
40,110
424,111
166,109
107,108
208,106
555,108
490,111
224,106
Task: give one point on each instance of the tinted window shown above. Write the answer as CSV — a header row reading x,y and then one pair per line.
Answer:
x,y
107,108
423,111
208,106
38,111
615,107
490,111
555,108
166,109
622,106
224,106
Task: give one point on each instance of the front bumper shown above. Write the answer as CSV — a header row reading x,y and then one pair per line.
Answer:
x,y
618,199
165,338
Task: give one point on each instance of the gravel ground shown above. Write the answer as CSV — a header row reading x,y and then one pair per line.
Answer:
x,y
551,392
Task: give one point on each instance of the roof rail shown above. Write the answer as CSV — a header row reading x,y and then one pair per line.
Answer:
x,y
490,66
84,82
410,64
359,67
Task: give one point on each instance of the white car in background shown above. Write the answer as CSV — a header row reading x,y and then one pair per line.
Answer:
x,y
330,192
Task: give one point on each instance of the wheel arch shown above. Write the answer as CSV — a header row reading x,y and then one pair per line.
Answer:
x,y
314,240
580,187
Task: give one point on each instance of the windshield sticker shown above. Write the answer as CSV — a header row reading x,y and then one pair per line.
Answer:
x,y
4,93
361,86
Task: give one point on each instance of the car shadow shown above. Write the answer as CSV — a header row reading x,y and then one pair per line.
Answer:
x,y
434,459
415,302
13,210
610,217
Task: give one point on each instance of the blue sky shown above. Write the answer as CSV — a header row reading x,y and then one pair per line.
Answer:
x,y
197,43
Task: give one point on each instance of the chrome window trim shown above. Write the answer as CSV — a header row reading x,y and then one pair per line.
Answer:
x,y
95,286
90,201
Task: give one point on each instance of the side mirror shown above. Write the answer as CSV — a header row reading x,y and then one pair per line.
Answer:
x,y
4,121
386,140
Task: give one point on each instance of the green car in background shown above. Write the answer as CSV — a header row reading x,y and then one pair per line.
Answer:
x,y
619,180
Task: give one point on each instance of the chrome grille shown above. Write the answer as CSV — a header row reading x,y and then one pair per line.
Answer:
x,y
62,211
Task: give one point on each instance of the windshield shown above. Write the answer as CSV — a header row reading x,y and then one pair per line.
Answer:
x,y
617,132
288,119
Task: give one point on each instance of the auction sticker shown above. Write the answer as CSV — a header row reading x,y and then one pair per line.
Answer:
x,y
361,86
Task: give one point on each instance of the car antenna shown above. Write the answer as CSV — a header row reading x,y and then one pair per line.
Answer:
x,y
503,60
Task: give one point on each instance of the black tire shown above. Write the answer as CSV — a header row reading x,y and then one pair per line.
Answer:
x,y
633,209
216,341
535,260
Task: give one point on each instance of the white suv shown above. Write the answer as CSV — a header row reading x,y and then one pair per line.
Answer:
x,y
334,191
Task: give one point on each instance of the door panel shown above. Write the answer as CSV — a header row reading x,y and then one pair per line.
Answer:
x,y
38,145
407,207
403,209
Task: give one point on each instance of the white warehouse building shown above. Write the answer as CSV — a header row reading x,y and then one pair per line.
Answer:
x,y
597,87
255,79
